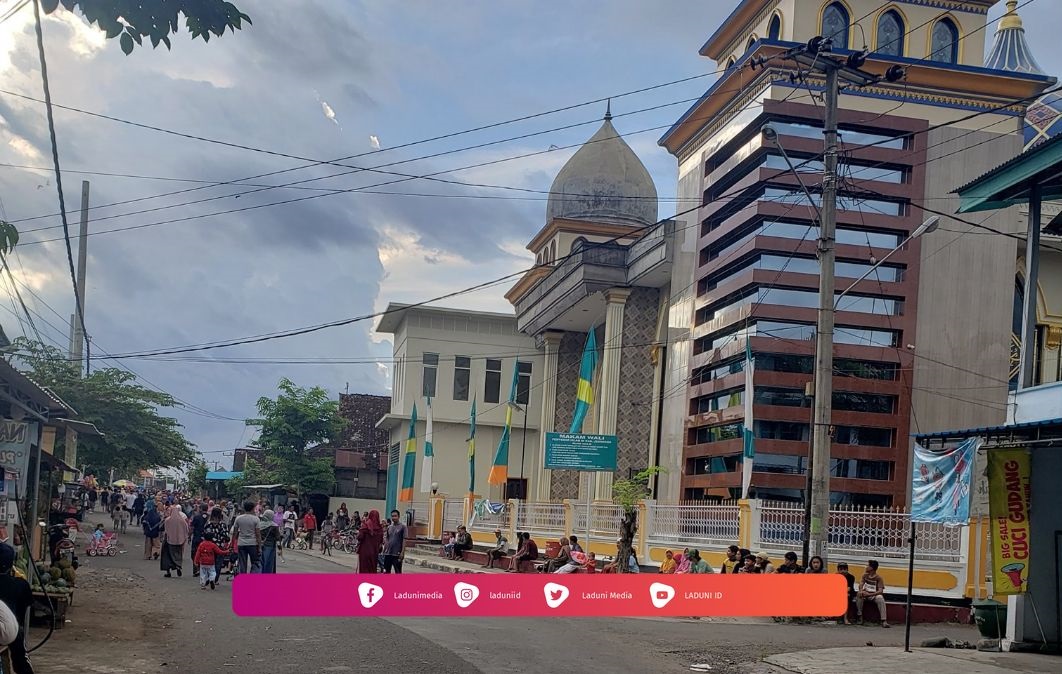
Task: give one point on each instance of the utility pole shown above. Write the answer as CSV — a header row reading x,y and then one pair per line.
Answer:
x,y
77,335
815,56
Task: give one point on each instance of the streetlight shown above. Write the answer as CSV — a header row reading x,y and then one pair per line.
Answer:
x,y
930,225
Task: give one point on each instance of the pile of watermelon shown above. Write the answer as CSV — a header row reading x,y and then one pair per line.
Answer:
x,y
57,580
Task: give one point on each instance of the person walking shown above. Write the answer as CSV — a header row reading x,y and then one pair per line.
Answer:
x,y
138,507
205,557
248,539
327,527
152,525
309,523
290,516
175,533
197,525
92,499
219,533
342,517
394,549
370,538
270,536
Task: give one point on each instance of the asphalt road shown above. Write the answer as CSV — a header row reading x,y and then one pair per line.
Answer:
x,y
128,618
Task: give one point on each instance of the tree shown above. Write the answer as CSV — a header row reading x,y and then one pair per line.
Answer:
x,y
291,426
627,493
253,473
156,20
195,476
135,434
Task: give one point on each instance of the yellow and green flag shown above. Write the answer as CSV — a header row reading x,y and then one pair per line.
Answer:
x,y
499,471
409,463
585,396
472,452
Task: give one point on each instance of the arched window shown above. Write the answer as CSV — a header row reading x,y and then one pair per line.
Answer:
x,y
835,24
774,28
752,41
538,259
730,62
890,34
944,46
553,252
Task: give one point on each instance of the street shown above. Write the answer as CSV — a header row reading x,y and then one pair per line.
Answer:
x,y
128,618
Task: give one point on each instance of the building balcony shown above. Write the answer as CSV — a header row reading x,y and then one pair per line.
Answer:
x,y
569,297
1035,404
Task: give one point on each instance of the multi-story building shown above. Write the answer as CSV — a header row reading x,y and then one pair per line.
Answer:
x,y
923,342
454,357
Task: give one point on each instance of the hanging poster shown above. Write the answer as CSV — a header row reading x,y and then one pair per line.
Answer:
x,y
1008,503
940,485
15,440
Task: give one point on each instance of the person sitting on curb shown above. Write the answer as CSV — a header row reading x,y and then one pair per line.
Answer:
x,y
872,588
577,562
698,565
842,568
564,555
461,542
500,549
763,563
790,564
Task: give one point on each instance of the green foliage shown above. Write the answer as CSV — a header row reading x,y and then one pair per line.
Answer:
x,y
253,473
195,476
8,237
291,425
627,493
156,20
135,434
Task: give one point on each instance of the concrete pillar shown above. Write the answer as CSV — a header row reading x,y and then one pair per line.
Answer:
x,y
551,342
608,396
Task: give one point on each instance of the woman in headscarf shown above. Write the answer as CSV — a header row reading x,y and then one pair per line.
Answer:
x,y
220,535
152,524
370,538
270,536
175,535
684,562
669,564
342,517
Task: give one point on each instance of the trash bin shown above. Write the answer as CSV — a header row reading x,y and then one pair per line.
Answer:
x,y
991,618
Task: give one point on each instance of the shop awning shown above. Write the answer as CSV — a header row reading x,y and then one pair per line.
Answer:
x,y
1011,183
1031,430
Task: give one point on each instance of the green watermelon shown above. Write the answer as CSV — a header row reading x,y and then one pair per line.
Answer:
x,y
69,575
60,583
55,572
46,578
64,563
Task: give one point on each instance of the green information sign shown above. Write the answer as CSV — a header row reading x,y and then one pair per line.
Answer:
x,y
576,451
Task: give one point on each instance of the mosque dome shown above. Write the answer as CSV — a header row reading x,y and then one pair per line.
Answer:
x,y
604,181
1010,51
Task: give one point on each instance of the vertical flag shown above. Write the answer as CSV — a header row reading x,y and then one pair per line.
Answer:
x,y
409,463
472,452
748,453
1009,475
427,471
499,471
585,396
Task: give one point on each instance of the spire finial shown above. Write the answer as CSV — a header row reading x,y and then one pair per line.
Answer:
x,y
1011,19
608,110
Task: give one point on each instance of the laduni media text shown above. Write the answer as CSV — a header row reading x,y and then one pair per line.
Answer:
x,y
512,595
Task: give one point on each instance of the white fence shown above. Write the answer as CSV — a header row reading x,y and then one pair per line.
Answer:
x,y
453,513
862,531
542,519
702,525
605,520
420,511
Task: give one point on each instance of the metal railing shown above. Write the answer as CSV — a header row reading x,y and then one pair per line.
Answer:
x,y
453,513
421,511
690,525
540,518
863,531
605,520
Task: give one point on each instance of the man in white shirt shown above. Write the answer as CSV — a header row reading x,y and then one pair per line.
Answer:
x,y
290,518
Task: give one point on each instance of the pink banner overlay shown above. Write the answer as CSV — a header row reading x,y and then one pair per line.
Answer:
x,y
536,596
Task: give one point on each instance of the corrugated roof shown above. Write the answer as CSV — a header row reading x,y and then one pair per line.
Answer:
x,y
988,430
223,474
1010,162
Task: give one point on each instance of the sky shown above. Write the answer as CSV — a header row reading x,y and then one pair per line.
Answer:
x,y
326,80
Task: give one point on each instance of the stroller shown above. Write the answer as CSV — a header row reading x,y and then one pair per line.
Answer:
x,y
107,546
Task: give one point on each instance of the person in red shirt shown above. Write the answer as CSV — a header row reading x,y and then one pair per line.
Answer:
x,y
205,556
309,523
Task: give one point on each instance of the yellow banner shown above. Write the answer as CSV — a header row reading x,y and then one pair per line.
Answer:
x,y
1008,505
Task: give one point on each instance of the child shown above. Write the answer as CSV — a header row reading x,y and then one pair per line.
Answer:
x,y
116,515
124,516
205,556
327,527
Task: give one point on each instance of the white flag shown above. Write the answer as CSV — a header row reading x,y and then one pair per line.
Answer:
x,y
429,456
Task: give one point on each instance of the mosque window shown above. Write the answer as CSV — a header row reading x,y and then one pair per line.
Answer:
x,y
944,47
730,62
751,42
835,24
774,28
890,34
